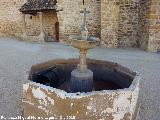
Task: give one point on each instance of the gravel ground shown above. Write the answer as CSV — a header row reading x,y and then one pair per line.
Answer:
x,y
17,57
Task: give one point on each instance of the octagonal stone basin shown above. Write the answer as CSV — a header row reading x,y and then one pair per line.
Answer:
x,y
114,96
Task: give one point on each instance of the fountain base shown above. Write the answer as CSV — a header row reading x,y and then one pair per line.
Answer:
x,y
81,81
115,95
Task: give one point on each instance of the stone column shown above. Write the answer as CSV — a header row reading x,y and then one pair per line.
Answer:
x,y
24,25
42,35
83,61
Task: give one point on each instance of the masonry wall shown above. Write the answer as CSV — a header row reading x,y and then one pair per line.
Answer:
x,y
109,23
154,25
71,19
128,23
10,17
123,23
11,20
143,31
118,23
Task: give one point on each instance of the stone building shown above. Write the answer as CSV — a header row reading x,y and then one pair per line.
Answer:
x,y
42,19
118,23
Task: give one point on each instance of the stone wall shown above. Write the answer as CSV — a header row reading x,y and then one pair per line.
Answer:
x,y
123,23
118,23
109,23
71,19
143,31
10,17
154,25
11,20
128,23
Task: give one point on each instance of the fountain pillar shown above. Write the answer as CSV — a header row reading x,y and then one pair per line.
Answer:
x,y
83,62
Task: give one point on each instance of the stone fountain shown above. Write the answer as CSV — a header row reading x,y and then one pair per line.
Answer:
x,y
82,77
93,90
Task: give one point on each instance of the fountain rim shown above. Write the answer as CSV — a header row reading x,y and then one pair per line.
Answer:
x,y
63,93
75,38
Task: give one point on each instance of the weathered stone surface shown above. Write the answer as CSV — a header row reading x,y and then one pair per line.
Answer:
x,y
11,21
44,101
71,19
154,26
118,23
109,23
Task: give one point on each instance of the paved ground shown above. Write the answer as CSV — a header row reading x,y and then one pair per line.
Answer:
x,y
17,57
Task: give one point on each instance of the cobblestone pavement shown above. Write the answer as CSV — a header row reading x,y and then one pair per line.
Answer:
x,y
17,57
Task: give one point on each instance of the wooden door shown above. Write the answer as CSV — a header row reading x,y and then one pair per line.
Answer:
x,y
57,31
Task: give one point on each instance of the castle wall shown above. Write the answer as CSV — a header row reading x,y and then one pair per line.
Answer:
x,y
123,23
11,20
109,23
128,23
154,26
118,23
143,31
71,19
10,17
